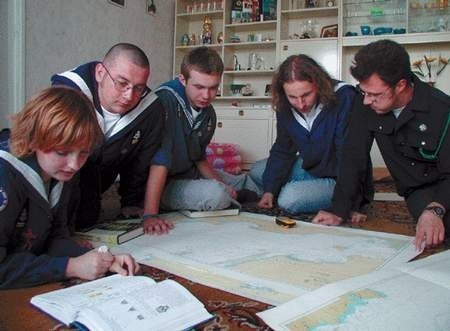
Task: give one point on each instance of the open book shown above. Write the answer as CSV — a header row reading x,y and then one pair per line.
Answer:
x,y
232,210
124,303
115,232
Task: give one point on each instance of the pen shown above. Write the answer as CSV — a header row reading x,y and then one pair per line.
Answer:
x,y
103,249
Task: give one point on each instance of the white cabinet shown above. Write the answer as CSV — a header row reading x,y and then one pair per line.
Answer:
x,y
249,128
325,51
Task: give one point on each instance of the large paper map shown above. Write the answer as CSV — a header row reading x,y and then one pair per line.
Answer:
x,y
413,297
250,255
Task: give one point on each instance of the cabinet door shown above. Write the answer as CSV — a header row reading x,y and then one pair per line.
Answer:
x,y
252,135
324,52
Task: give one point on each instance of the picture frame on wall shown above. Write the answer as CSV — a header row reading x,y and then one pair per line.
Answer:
x,y
118,3
329,31
150,7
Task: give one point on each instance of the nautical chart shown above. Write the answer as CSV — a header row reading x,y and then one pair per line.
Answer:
x,y
250,255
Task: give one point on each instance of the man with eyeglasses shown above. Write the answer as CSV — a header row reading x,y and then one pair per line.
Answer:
x,y
131,119
409,120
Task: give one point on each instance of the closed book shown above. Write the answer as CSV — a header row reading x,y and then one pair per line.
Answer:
x,y
115,232
269,10
232,210
124,303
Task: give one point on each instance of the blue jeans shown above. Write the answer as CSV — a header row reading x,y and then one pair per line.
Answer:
x,y
303,192
204,194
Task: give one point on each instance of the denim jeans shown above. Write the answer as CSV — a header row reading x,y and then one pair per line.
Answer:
x,y
303,192
204,194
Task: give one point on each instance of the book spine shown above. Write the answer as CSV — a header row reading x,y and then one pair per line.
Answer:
x,y
107,239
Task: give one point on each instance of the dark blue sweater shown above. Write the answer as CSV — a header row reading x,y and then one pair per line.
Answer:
x,y
319,148
34,237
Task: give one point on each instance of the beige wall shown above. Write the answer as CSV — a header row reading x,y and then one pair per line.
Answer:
x,y
4,63
60,34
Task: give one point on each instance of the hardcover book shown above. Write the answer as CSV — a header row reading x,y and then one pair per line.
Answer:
x,y
115,232
232,210
124,303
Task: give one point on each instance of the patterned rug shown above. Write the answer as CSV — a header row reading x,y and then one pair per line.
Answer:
x,y
395,211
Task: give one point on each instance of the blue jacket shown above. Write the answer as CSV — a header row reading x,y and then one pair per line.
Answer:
x,y
185,140
319,148
34,238
126,152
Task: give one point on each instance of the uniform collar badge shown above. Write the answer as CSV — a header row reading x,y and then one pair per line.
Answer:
x,y
136,137
3,199
423,127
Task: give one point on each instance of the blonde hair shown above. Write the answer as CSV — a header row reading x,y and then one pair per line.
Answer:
x,y
57,117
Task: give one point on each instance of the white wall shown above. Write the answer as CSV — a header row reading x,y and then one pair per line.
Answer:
x,y
61,34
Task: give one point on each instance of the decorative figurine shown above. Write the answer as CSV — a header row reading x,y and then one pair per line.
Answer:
x,y
207,30
310,3
236,65
220,37
185,40
192,40
247,90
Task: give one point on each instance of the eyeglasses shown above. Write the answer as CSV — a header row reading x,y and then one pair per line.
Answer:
x,y
124,86
374,96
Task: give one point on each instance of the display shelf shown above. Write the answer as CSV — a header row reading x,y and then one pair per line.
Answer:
x,y
308,12
252,25
252,44
212,13
189,47
409,38
241,97
248,72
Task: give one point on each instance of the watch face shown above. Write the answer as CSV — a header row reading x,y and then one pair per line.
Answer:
x,y
437,210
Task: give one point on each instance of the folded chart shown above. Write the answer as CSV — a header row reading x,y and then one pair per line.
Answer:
x,y
411,297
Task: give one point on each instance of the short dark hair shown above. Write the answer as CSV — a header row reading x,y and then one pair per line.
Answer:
x,y
301,68
202,59
132,52
386,58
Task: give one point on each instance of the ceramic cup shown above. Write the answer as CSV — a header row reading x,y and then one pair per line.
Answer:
x,y
365,30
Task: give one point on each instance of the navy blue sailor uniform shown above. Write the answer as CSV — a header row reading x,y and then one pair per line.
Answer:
x,y
35,244
185,139
415,147
126,151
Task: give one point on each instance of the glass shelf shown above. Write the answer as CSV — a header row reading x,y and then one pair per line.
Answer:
x,y
213,13
254,25
252,44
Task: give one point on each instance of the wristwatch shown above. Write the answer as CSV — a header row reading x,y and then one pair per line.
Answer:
x,y
438,211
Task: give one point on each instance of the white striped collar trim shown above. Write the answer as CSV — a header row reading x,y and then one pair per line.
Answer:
x,y
129,117
180,100
33,178
74,77
124,120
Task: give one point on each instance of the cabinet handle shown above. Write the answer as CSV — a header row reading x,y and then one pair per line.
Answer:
x,y
241,113
219,124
